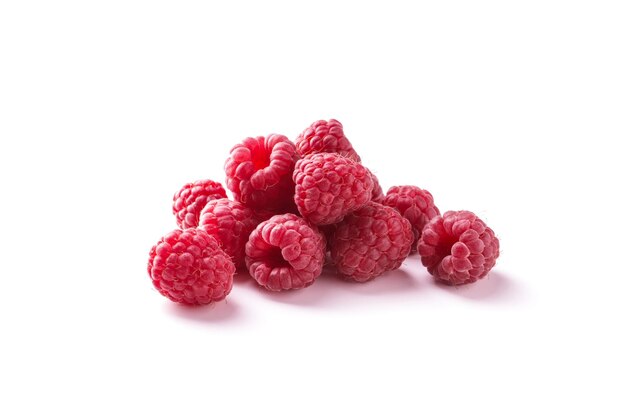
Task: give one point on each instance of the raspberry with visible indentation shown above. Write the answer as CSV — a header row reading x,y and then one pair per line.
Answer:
x,y
191,198
285,252
325,137
458,248
231,223
329,186
415,204
370,241
188,266
259,173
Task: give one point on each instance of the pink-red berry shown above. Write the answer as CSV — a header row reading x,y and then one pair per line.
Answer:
x,y
370,241
259,173
189,267
458,248
230,223
378,195
285,252
415,204
191,198
325,137
329,186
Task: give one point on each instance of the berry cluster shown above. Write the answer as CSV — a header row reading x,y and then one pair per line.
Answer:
x,y
294,203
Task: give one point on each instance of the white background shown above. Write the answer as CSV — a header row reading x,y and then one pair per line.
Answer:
x,y
513,110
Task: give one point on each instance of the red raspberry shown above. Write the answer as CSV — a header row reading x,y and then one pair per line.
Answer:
x,y
378,195
189,267
370,241
329,186
189,201
415,204
285,252
230,223
325,137
259,172
458,248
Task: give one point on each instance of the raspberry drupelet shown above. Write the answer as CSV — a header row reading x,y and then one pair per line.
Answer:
x,y
189,267
458,248
259,173
285,252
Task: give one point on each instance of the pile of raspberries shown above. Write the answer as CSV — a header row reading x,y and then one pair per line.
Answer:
x,y
297,206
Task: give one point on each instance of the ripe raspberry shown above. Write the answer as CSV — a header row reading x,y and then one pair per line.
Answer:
x,y
370,241
189,201
458,248
329,186
415,204
259,172
378,195
325,137
187,266
230,223
285,253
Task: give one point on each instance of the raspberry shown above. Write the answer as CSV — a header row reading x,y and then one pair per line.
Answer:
x,y
259,173
329,186
189,267
189,201
378,195
325,137
370,241
285,253
230,223
458,248
415,204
